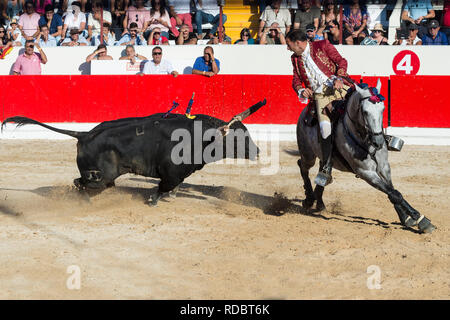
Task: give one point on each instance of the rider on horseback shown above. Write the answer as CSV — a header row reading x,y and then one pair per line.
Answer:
x,y
319,70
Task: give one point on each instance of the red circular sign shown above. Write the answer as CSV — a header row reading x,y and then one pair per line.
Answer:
x,y
406,62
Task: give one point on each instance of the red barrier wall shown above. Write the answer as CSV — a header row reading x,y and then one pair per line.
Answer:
x,y
420,101
416,101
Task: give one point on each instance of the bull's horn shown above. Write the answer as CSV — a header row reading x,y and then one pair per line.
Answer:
x,y
241,116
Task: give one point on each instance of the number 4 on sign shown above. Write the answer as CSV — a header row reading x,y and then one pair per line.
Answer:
x,y
405,64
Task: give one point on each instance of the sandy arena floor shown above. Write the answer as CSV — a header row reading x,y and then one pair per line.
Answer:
x,y
219,239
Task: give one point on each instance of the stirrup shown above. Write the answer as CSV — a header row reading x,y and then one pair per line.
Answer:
x,y
323,178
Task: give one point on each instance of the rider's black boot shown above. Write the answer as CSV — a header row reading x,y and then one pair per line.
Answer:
x,y
324,178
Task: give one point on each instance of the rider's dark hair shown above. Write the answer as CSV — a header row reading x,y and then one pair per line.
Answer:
x,y
295,35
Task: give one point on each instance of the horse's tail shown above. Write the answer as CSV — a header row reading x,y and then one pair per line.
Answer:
x,y
21,121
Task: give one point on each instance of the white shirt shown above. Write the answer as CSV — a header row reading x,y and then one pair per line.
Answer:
x,y
96,24
73,22
164,67
283,17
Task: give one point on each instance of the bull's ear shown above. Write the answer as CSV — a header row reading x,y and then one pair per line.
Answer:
x,y
378,85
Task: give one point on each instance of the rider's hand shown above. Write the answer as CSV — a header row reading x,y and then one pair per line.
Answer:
x,y
307,93
338,84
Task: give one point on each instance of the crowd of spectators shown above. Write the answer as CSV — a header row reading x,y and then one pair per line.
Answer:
x,y
181,22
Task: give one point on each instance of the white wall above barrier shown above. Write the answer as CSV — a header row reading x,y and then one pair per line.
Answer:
x,y
253,59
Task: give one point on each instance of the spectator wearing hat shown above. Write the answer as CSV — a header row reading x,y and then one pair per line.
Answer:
x,y
272,35
434,36
132,37
101,53
75,39
377,35
45,39
130,54
311,33
332,33
29,22
418,12
53,21
245,37
14,33
74,19
413,38
157,65
29,63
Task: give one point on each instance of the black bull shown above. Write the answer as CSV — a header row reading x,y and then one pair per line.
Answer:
x,y
145,145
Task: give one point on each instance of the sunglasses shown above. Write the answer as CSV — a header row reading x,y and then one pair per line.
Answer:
x,y
157,53
246,35
30,46
157,33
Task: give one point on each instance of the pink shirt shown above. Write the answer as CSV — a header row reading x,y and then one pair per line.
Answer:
x,y
40,7
139,16
26,65
29,24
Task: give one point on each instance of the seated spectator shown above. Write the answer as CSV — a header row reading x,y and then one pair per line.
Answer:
x,y
418,12
75,39
332,33
74,19
29,22
133,37
40,5
29,63
272,14
180,13
272,35
330,12
132,55
158,65
156,38
118,12
207,65
445,19
14,8
207,11
45,39
101,53
434,36
311,33
108,38
159,18
245,37
186,37
376,38
14,33
355,23
412,39
94,20
138,14
53,21
215,37
5,42
83,4
306,15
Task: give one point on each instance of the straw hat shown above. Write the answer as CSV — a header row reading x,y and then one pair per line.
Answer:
x,y
379,27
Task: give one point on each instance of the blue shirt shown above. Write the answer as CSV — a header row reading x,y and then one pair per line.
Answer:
x,y
201,65
418,8
441,39
56,22
51,42
126,38
111,41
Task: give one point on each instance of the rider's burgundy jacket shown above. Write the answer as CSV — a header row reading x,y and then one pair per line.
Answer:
x,y
327,59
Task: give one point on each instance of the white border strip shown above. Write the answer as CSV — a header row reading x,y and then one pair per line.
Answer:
x,y
259,132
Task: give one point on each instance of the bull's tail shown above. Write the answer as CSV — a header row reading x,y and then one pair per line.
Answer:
x,y
21,121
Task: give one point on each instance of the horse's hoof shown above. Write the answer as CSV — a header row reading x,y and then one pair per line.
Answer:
x,y
320,206
173,195
410,222
425,225
307,203
153,200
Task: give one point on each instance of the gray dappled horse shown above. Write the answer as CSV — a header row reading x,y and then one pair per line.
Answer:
x,y
360,148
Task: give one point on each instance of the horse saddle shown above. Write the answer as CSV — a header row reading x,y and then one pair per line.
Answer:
x,y
338,110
